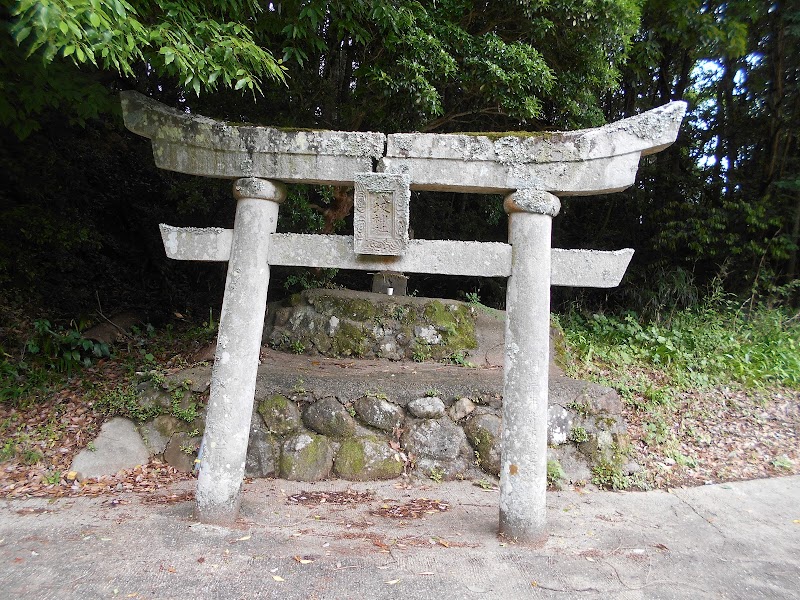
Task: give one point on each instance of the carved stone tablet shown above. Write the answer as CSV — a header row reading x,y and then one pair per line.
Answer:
x,y
380,213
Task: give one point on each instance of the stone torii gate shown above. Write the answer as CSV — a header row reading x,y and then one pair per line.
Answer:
x,y
531,170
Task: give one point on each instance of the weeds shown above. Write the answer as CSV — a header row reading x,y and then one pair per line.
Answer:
x,y
63,350
555,473
578,435
696,348
421,352
122,401
609,476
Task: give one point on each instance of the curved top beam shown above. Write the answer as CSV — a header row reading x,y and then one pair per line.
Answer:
x,y
584,162
198,145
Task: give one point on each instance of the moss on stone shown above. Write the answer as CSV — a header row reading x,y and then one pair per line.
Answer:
x,y
310,463
295,299
351,458
483,434
456,325
499,135
349,340
281,416
357,309
366,459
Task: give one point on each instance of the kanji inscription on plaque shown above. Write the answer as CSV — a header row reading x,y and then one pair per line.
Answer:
x,y
380,213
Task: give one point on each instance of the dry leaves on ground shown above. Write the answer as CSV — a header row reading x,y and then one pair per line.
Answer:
x,y
343,497
719,435
413,509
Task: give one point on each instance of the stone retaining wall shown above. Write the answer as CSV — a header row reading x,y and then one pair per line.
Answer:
x,y
304,432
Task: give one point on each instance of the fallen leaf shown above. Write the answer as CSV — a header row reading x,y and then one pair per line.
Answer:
x,y
392,581
278,578
244,538
660,546
302,561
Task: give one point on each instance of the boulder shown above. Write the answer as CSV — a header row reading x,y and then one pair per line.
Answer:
x,y
367,459
306,457
328,417
263,451
118,446
281,416
429,407
461,408
379,413
438,439
181,451
483,433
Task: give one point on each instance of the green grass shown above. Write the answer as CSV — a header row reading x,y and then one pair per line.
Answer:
x,y
695,348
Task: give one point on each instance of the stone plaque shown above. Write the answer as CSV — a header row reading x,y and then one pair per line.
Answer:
x,y
380,213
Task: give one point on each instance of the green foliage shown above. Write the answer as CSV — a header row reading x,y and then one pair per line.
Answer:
x,y
580,408
609,475
63,350
52,477
578,435
310,279
421,352
17,379
436,474
696,348
200,44
206,332
122,401
783,462
555,473
460,358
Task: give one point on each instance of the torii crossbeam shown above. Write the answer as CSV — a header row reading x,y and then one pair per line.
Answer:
x,y
532,171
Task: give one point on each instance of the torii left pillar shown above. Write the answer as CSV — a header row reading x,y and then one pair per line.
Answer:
x,y
233,379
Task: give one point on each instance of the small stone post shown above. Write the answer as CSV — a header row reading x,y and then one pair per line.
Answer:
x,y
233,378
523,471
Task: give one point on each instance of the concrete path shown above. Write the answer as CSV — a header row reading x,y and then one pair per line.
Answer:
x,y
736,540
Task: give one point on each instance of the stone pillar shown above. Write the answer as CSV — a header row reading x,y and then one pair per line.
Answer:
x,y
233,379
523,473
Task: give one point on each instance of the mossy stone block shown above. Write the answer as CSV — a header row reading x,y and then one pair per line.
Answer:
x,y
483,433
328,417
306,457
281,415
349,340
366,459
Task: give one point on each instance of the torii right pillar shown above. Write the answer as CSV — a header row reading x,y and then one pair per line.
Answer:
x,y
523,470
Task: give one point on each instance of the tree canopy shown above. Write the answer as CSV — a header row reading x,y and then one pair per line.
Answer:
x,y
722,205
364,63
